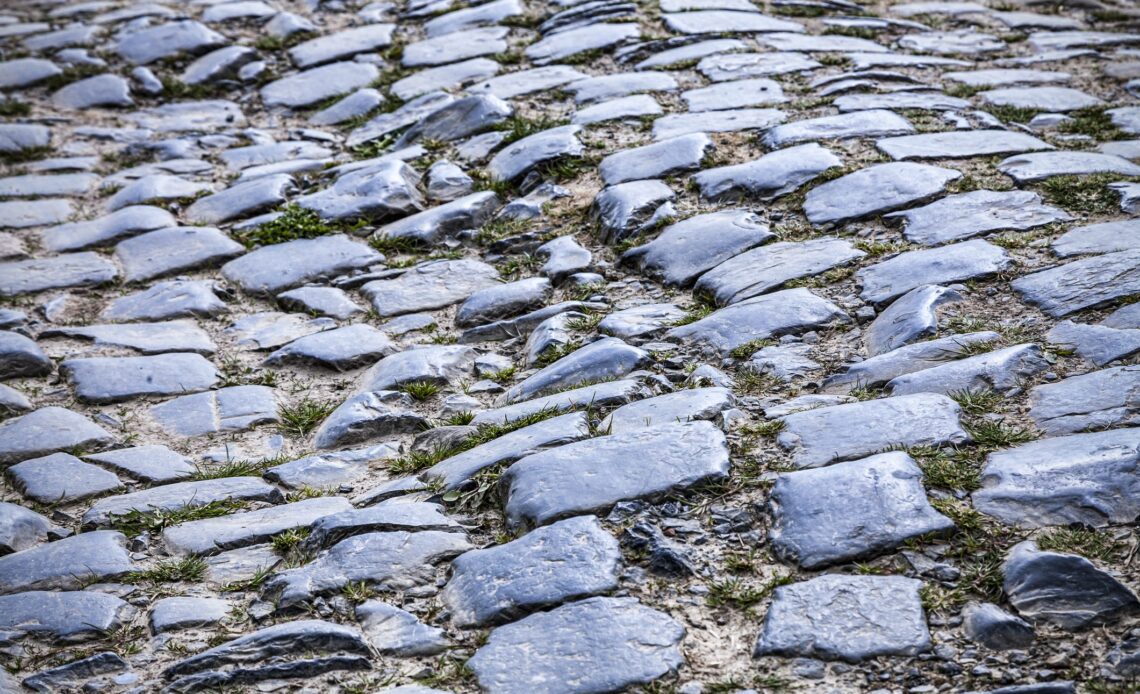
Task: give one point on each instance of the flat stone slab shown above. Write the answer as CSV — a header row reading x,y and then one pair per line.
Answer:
x,y
850,510
1082,284
767,177
242,199
592,37
734,66
601,394
68,616
437,364
620,84
165,300
628,208
503,301
180,495
176,613
1100,344
455,471
98,91
606,358
921,101
625,642
319,83
456,46
1083,478
663,158
881,368
965,215
1096,400
60,478
675,125
67,564
568,560
1065,590
525,81
850,618
640,321
959,144
520,157
24,72
392,631
388,560
213,535
228,409
592,475
1105,237
910,317
847,432
690,404
47,430
430,286
22,214
769,267
726,21
367,416
875,189
272,269
406,516
1002,371
736,94
1025,168
20,356
150,463
22,528
57,272
618,109
944,265
1052,99
323,470
299,636
148,45
789,311
176,249
685,250
114,379
341,349
121,223
272,329
187,116
341,44
147,338
870,123
385,189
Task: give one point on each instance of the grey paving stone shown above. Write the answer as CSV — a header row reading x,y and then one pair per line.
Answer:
x,y
789,311
151,44
437,364
627,107
270,329
626,642
359,103
1127,316
568,560
18,137
381,191
736,94
726,21
427,227
640,321
77,671
229,409
959,144
149,463
850,510
114,379
922,101
127,221
503,301
326,470
832,434
685,250
177,613
909,318
341,349
1052,99
733,66
769,267
953,263
98,91
487,13
602,395
13,401
22,528
1041,165
21,357
148,338
611,86
197,116
627,208
524,81
47,430
962,216
675,125
22,214
875,189
562,45
323,301
213,535
1081,284
767,177
404,116
305,635
881,368
455,471
428,286
60,478
564,257
603,359
366,416
1099,344
317,84
994,628
1096,400
663,158
341,44
176,249
178,496
850,618
67,617
56,272
690,404
447,182
1082,478
593,475
870,123
223,63
392,631
24,72
1003,371
456,46
1005,77
67,564
1065,590
388,560
271,269
520,157
241,200
691,51
165,300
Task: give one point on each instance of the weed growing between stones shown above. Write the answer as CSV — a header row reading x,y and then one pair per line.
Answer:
x,y
420,390
135,522
190,569
1088,195
303,417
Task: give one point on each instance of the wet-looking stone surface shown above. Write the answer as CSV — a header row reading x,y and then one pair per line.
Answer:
x,y
567,346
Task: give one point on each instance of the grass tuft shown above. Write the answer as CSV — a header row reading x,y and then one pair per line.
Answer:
x,y
975,401
999,434
135,522
192,569
1086,542
1094,122
735,592
1083,194
305,416
295,222
420,390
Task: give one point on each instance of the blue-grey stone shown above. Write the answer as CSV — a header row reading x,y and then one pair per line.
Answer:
x,y
67,617
55,272
47,430
60,478
114,379
177,496
67,564
228,409
149,463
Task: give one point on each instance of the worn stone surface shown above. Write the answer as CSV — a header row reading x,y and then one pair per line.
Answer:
x,y
1096,400
66,564
768,267
962,216
48,430
906,271
877,188
1082,284
768,177
688,248
429,286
